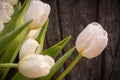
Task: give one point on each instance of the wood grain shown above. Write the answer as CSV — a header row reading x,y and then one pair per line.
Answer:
x,y
69,17
75,15
109,18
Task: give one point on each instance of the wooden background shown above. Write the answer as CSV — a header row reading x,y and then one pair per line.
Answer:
x,y
69,17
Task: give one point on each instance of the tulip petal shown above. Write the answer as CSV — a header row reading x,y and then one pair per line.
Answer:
x,y
4,17
49,60
29,47
84,39
105,33
45,15
34,33
96,47
7,7
33,66
95,24
1,26
12,2
6,10
38,12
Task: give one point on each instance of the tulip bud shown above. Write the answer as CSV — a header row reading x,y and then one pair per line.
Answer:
x,y
34,66
29,47
92,40
6,10
49,60
34,33
1,26
38,12
12,2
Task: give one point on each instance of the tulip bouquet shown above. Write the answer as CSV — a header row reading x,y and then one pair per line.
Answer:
x,y
22,33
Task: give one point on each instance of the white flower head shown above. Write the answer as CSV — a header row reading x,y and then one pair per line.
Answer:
x,y
34,66
92,40
29,47
38,12
12,2
1,26
6,10
34,33
49,60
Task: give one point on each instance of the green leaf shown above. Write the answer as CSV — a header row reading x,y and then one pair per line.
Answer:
x,y
12,50
11,36
58,64
13,45
53,52
63,42
19,76
22,12
1,53
55,49
17,18
9,51
69,68
41,36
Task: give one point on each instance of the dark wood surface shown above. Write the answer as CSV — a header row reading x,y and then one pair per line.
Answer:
x,y
69,17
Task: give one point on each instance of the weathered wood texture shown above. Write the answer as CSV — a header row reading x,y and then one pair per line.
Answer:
x,y
69,17
109,17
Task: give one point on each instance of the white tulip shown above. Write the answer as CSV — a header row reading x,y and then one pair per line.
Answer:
x,y
29,47
49,60
92,40
12,2
38,12
6,10
1,26
34,33
34,66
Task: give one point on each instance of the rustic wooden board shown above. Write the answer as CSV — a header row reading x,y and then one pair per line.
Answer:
x,y
75,15
109,17
69,17
54,31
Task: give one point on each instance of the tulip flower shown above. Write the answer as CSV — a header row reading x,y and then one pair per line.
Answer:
x,y
1,26
6,10
12,2
92,40
34,33
38,12
29,47
34,66
49,60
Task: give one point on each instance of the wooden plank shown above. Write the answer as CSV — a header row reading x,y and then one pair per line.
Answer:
x,y
53,33
109,17
74,16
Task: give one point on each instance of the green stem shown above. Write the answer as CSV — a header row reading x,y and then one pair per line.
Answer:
x,y
75,61
13,65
